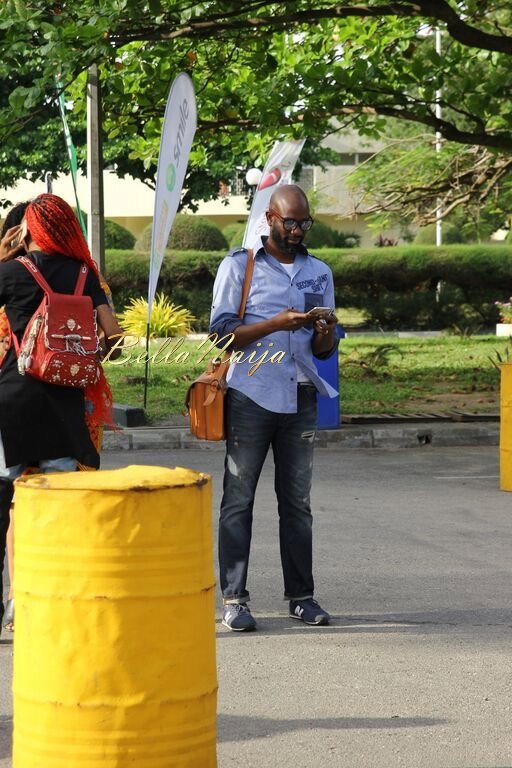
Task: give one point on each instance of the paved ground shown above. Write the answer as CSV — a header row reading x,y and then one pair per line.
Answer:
x,y
413,559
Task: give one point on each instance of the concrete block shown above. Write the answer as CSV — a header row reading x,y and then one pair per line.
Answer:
x,y
129,416
158,438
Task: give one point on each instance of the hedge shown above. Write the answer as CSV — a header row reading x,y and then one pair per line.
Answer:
x,y
427,235
234,233
396,287
195,233
186,276
324,236
117,236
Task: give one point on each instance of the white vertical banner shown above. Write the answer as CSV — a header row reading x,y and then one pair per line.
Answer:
x,y
278,170
178,131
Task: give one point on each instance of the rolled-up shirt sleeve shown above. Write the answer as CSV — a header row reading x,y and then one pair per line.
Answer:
x,y
227,294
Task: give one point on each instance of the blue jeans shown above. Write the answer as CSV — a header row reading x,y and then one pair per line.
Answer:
x,y
250,431
7,476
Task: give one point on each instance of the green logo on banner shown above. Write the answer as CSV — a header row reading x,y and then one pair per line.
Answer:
x,y
170,178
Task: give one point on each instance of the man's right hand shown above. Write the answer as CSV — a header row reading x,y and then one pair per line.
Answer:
x,y
289,320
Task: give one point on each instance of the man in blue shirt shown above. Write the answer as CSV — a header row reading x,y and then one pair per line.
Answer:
x,y
274,405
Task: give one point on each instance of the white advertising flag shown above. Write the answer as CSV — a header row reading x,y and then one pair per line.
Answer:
x,y
278,170
178,132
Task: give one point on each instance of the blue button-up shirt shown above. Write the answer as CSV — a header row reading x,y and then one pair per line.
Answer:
x,y
272,385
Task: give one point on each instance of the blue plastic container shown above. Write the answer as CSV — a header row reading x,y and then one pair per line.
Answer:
x,y
328,416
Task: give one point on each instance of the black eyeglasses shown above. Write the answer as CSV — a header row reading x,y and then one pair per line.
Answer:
x,y
291,224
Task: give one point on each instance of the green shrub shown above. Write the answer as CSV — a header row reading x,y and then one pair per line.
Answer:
x,y
321,235
196,233
185,277
234,233
189,233
143,242
427,235
117,236
395,287
348,240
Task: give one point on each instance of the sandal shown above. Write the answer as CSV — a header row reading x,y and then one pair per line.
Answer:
x,y
8,620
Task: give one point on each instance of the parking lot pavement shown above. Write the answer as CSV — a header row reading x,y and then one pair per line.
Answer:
x,y
413,560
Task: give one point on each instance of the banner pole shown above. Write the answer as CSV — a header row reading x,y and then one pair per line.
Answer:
x,y
146,370
71,152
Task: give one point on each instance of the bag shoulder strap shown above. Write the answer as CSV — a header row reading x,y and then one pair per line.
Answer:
x,y
80,281
36,274
249,269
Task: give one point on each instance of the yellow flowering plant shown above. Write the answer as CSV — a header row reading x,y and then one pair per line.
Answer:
x,y
167,319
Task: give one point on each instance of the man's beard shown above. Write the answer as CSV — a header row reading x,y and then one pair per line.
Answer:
x,y
283,242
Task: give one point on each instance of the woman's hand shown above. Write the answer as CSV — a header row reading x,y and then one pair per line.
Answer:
x,y
9,248
112,333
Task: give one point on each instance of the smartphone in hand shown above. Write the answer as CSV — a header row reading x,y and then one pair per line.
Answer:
x,y
21,235
317,313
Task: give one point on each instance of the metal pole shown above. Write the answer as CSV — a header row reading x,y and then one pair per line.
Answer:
x,y
439,217
95,226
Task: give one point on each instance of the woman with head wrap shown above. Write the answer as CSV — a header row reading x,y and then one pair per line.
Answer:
x,y
42,423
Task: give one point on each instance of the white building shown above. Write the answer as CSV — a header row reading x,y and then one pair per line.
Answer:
x,y
130,202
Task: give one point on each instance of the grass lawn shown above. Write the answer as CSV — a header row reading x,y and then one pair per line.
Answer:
x,y
378,374
406,375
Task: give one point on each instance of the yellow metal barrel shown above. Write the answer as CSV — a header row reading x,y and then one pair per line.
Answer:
x,y
114,649
506,427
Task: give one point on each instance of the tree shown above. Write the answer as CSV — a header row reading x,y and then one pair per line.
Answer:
x,y
408,180
261,70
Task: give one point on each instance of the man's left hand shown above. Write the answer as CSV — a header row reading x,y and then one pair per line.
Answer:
x,y
325,326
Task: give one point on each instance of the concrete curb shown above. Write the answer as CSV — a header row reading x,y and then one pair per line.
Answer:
x,y
347,437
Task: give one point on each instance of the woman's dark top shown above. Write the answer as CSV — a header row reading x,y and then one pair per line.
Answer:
x,y
40,420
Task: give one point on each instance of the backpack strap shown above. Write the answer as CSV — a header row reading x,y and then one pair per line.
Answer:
x,y
80,281
15,343
42,284
36,274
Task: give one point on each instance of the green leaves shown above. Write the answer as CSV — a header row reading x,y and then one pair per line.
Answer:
x,y
255,83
